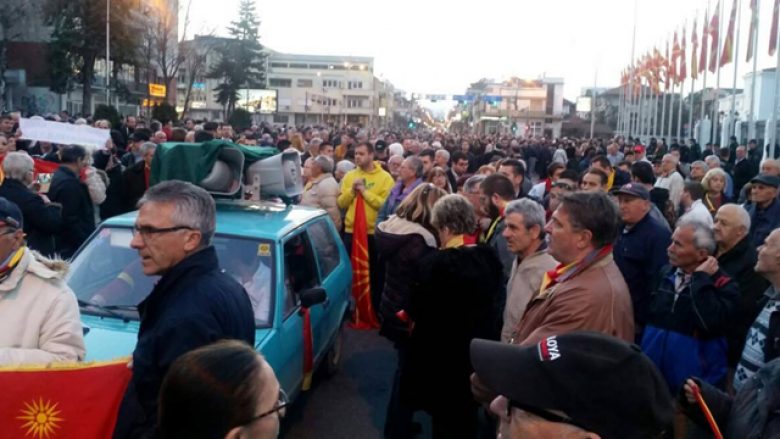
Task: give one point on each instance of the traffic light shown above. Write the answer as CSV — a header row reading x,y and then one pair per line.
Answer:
x,y
411,124
514,127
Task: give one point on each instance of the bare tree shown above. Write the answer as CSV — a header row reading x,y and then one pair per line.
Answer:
x,y
13,12
168,51
196,66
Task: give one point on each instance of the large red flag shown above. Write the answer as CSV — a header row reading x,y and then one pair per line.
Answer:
x,y
673,63
694,49
715,36
79,401
773,29
683,71
727,52
364,317
703,53
753,28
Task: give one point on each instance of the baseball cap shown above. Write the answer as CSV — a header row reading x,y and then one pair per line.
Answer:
x,y
639,148
603,384
10,214
634,190
769,180
140,135
380,145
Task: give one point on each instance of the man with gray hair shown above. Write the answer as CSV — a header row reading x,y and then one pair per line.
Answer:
x,y
135,179
322,190
670,179
409,177
698,170
194,303
43,219
693,305
524,234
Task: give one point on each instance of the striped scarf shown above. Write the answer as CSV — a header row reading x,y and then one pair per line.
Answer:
x,y
562,273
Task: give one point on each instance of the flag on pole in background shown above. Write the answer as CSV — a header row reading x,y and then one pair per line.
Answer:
x,y
73,401
714,35
667,68
694,49
773,29
703,53
752,35
727,53
364,317
673,71
683,71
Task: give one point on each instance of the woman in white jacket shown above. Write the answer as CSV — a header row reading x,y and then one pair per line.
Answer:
x,y
322,190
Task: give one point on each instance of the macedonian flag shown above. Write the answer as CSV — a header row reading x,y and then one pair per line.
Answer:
x,y
73,401
364,317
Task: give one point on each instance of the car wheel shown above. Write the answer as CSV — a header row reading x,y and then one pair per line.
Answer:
x,y
332,362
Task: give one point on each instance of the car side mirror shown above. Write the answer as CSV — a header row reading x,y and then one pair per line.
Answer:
x,y
313,296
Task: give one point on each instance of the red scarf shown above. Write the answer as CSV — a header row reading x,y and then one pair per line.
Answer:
x,y
562,273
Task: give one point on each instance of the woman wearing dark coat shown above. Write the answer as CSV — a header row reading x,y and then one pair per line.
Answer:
x,y
402,241
452,305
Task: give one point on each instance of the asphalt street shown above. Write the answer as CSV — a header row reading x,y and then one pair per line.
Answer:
x,y
352,403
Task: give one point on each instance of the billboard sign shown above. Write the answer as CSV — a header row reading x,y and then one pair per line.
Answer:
x,y
257,100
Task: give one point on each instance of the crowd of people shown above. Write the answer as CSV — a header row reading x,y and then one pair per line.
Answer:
x,y
518,279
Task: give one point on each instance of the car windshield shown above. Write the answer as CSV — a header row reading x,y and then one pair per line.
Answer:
x,y
108,280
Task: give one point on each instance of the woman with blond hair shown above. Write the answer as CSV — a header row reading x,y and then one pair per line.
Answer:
x,y
402,241
714,183
296,141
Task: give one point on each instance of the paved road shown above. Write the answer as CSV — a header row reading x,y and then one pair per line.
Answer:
x,y
352,403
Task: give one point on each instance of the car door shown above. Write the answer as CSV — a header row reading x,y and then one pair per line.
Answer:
x,y
299,273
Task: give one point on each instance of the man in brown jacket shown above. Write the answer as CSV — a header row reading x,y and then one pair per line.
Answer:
x,y
586,291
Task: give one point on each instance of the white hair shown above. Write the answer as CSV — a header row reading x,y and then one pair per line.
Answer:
x,y
17,165
345,166
395,149
712,161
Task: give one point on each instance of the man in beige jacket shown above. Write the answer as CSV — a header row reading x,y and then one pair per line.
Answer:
x,y
322,190
524,234
39,314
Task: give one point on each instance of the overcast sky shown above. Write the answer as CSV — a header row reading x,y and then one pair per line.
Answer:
x,y
439,46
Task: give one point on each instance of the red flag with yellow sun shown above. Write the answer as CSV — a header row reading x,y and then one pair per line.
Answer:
x,y
364,317
74,401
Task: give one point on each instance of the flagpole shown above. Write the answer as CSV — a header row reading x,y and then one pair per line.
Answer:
x,y
671,113
620,107
640,110
633,67
690,109
680,110
705,30
663,111
754,37
716,102
732,128
655,114
773,134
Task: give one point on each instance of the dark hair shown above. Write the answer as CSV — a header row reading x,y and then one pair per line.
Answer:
x,y
203,136
593,211
178,134
554,166
498,184
283,144
428,152
643,172
209,391
570,174
602,160
516,165
366,145
72,153
324,144
694,188
458,156
210,126
601,174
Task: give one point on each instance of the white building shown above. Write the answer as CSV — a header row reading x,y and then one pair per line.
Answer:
x,y
762,106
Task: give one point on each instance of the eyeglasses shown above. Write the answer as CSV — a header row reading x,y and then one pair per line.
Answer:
x,y
544,414
280,407
146,231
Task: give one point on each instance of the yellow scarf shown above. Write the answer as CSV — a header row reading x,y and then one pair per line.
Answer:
x,y
454,242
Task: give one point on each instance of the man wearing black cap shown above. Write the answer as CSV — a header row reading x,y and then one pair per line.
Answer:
x,y
640,249
575,385
39,316
765,209
133,154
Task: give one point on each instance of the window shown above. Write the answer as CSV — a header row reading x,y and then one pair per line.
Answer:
x,y
298,66
281,65
304,83
318,66
354,84
326,247
108,273
331,83
279,118
355,102
300,270
280,82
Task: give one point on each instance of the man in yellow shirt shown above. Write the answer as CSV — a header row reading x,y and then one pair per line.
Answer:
x,y
375,184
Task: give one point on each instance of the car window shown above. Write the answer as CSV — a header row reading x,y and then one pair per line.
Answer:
x,y
325,246
300,270
108,273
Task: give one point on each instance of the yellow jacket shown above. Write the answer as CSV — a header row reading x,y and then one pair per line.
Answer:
x,y
378,186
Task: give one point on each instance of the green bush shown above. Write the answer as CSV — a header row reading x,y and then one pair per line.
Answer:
x,y
240,119
165,113
109,113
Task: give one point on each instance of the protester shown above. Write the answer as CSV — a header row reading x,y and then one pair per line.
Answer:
x,y
409,177
670,179
342,168
764,210
514,170
642,173
44,218
615,177
438,177
524,235
594,180
691,205
453,305
459,168
135,179
39,316
640,249
402,242
714,183
698,170
495,192
693,304
737,257
222,390
575,385
322,190
78,211
194,303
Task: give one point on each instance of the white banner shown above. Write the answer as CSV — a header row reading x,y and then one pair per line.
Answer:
x,y
63,133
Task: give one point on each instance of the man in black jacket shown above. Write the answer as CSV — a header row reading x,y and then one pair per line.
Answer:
x,y
78,212
193,304
43,219
737,257
744,169
135,179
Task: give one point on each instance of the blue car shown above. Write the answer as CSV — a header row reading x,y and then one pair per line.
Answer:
x,y
286,257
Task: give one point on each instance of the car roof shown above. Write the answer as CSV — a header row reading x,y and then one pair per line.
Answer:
x,y
256,219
